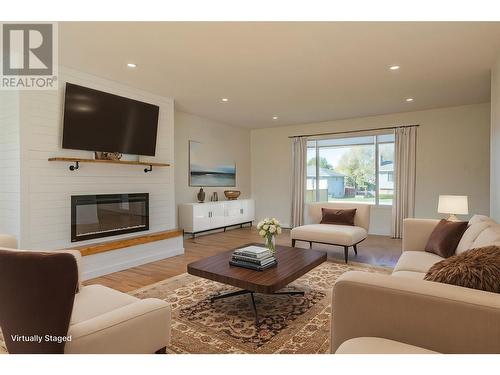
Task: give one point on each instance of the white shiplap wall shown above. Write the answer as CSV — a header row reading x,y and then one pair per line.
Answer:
x,y
46,187
9,164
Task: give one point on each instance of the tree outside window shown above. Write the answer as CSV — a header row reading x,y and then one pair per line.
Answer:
x,y
357,169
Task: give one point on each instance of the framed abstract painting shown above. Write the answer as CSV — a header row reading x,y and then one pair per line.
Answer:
x,y
209,167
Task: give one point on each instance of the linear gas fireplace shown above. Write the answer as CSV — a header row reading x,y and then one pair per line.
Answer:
x,y
94,216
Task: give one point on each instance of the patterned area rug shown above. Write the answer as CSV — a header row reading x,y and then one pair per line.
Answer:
x,y
288,324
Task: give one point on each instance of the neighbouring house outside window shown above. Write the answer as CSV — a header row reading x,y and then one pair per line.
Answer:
x,y
351,169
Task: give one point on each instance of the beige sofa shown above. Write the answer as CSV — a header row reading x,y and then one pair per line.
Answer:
x,y
107,321
330,234
402,313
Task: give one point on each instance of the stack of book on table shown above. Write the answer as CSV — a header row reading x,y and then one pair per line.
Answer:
x,y
253,257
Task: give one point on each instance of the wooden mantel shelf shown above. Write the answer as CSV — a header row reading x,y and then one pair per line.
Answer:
x,y
77,162
101,247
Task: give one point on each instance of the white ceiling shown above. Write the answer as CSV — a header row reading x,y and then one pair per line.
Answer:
x,y
300,71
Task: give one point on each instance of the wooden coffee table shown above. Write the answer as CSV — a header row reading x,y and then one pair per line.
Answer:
x,y
292,263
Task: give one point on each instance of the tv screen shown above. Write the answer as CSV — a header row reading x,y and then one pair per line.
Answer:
x,y
99,121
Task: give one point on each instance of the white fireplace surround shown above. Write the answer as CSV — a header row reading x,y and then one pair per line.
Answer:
x,y
43,210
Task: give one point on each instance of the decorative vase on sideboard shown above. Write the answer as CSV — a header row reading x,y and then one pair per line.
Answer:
x,y
201,196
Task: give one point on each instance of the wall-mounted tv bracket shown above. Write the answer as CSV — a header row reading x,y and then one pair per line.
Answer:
x,y
75,167
150,169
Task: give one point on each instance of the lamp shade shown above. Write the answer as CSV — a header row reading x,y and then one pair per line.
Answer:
x,y
453,204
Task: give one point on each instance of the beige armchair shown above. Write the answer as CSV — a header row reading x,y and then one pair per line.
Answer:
x,y
104,320
345,236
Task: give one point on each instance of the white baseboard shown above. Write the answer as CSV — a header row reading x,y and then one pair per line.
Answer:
x,y
117,260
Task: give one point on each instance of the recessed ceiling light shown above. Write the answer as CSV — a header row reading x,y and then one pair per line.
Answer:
x,y
275,117
132,65
225,100
409,99
394,67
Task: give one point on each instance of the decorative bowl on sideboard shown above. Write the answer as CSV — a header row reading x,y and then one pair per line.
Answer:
x,y
232,194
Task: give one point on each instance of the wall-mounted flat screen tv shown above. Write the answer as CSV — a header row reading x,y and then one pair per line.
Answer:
x,y
99,121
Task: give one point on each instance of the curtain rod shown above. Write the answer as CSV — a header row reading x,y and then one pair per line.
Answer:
x,y
353,131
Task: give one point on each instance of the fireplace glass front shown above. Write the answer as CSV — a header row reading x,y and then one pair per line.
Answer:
x,y
94,216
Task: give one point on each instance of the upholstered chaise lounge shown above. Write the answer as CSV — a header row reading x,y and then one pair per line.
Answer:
x,y
332,234
51,299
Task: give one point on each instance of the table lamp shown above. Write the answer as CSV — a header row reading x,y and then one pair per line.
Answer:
x,y
453,205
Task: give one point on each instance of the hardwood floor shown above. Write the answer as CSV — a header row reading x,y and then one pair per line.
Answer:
x,y
376,250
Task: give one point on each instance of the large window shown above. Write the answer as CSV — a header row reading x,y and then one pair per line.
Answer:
x,y
354,169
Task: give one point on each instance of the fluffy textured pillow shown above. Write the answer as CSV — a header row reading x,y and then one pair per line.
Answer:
x,y
338,217
475,268
445,237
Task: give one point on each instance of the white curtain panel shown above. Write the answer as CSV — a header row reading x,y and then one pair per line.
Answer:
x,y
405,149
299,157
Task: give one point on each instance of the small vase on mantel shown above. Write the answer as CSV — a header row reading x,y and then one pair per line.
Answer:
x,y
201,196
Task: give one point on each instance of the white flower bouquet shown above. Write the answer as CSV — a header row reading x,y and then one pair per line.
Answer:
x,y
269,229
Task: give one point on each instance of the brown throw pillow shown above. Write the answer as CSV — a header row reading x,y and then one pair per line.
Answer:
x,y
445,237
475,268
336,216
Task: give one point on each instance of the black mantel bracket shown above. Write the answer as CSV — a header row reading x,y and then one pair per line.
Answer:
x,y
75,167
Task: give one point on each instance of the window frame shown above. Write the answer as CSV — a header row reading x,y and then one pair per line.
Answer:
x,y
376,144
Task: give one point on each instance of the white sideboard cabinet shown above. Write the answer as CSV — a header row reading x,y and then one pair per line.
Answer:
x,y
201,217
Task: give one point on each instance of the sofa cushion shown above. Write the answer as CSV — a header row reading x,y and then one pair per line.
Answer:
x,y
95,300
445,237
470,235
480,219
142,327
487,237
475,268
416,261
338,216
409,274
8,241
329,233
377,345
